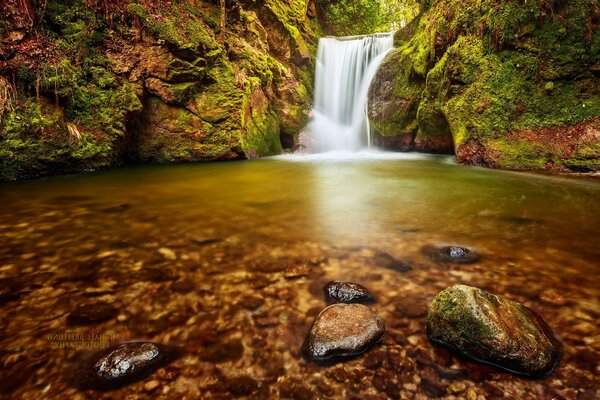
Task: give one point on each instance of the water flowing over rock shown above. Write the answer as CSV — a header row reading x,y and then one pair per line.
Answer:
x,y
493,330
345,68
343,330
347,292
127,363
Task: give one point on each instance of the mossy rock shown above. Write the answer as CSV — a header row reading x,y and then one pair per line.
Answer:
x,y
493,330
503,90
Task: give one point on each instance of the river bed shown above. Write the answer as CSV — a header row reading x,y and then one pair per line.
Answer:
x,y
228,261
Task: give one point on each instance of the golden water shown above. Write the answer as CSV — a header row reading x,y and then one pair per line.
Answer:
x,y
228,260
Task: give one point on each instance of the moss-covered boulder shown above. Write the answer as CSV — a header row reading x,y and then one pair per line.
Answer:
x,y
500,85
493,330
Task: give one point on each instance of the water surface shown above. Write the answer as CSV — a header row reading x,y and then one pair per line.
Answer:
x,y
228,261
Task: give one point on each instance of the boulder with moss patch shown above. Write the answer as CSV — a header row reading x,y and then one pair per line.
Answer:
x,y
493,330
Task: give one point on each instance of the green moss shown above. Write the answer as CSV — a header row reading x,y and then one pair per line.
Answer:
x,y
585,158
181,27
454,308
493,69
35,142
521,154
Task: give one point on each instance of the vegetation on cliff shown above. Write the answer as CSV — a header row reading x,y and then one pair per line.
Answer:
x,y
507,84
90,84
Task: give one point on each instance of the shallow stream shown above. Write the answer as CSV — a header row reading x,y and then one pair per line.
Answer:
x,y
228,261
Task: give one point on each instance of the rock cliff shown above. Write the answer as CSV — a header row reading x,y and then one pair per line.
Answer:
x,y
90,84
502,84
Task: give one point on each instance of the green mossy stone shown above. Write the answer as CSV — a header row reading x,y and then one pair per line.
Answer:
x,y
493,330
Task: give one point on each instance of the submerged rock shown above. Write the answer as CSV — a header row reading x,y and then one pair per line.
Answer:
x,y
385,260
128,362
342,330
92,313
346,292
451,254
493,330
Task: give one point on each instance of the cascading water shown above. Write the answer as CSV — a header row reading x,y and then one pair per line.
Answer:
x,y
345,68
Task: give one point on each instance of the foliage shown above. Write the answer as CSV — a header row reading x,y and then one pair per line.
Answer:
x,y
360,17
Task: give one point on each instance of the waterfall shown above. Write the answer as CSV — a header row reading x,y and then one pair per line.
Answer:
x,y
345,68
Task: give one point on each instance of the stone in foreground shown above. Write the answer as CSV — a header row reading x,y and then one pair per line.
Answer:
x,y
342,330
126,363
346,292
451,254
493,330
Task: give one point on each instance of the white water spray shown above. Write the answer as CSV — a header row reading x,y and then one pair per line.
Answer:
x,y
345,68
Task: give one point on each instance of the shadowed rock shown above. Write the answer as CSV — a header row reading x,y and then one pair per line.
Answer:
x,y
346,292
91,313
493,330
385,260
342,330
451,254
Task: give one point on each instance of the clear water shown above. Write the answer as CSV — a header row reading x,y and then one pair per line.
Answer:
x,y
228,260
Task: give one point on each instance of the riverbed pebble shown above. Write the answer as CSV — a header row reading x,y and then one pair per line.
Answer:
x,y
450,254
91,313
347,292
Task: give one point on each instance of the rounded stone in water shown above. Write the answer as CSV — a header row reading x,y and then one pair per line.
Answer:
x,y
342,330
493,330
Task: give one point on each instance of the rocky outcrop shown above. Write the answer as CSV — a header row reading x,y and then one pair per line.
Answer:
x,y
488,328
86,87
497,84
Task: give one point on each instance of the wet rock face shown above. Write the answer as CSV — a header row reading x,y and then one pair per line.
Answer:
x,y
451,254
346,292
342,330
493,330
127,363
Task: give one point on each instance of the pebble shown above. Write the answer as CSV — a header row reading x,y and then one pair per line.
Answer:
x,y
167,253
346,292
450,254
92,313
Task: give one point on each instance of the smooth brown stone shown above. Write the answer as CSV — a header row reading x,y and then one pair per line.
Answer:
x,y
342,330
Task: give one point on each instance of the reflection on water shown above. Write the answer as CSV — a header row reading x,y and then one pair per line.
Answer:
x,y
228,261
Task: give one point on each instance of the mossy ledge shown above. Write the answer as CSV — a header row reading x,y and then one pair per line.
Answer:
x,y
86,85
501,84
